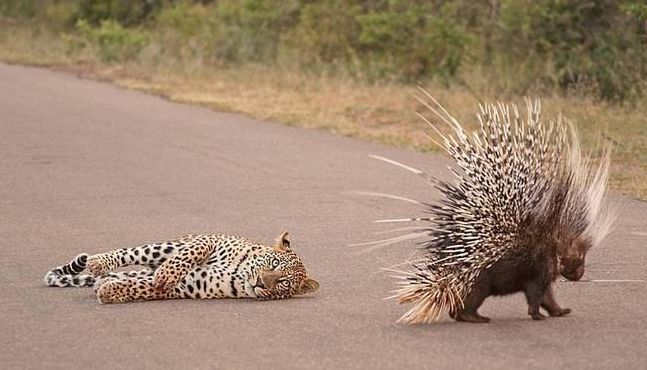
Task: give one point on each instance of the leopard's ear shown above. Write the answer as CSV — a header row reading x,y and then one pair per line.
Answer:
x,y
283,242
308,286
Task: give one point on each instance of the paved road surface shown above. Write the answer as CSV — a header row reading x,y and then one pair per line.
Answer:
x,y
88,167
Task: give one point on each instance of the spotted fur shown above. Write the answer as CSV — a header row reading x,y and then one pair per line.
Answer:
x,y
194,267
68,274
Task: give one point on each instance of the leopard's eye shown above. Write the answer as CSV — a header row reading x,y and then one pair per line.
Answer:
x,y
275,262
285,283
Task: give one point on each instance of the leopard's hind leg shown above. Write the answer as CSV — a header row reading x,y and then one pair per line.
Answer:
x,y
150,255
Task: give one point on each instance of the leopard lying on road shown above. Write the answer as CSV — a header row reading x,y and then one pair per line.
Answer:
x,y
195,266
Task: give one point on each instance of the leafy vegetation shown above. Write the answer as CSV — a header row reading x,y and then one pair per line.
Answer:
x,y
113,42
571,47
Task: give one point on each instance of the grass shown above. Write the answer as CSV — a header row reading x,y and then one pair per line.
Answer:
x,y
379,112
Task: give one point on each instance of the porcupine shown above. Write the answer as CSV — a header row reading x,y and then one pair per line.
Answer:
x,y
525,206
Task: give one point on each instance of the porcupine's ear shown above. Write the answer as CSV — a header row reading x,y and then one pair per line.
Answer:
x,y
283,243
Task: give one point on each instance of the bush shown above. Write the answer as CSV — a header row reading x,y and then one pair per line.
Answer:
x,y
413,41
250,30
325,34
591,45
183,32
114,43
125,12
596,47
53,14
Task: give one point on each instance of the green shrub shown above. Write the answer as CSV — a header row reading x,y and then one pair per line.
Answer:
x,y
18,9
325,34
55,14
250,30
183,32
124,12
593,47
589,45
114,43
60,16
412,39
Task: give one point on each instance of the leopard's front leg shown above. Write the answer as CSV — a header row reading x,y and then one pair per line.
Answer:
x,y
120,275
175,268
131,289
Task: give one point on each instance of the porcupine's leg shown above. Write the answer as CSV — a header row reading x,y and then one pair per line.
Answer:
x,y
538,289
151,255
129,289
470,306
549,304
535,290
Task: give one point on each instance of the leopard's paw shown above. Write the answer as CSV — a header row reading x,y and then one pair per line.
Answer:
x,y
113,291
166,278
101,280
100,264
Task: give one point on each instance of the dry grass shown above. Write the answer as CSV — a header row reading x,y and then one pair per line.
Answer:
x,y
379,112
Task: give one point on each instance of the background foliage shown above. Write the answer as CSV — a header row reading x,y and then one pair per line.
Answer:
x,y
577,47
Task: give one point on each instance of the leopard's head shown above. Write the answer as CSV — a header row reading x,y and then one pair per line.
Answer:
x,y
282,273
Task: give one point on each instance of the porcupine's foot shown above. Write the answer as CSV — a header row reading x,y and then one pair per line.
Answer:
x,y
469,313
559,312
538,292
550,305
471,317
535,314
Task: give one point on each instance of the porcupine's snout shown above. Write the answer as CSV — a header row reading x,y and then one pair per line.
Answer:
x,y
573,259
572,269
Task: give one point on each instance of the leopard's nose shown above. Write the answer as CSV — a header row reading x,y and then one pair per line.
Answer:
x,y
259,283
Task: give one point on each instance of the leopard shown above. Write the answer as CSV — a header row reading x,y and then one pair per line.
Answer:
x,y
196,266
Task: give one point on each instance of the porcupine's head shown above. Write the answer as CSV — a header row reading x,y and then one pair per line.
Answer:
x,y
572,260
583,218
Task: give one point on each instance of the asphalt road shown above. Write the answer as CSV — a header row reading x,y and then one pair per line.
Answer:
x,y
89,167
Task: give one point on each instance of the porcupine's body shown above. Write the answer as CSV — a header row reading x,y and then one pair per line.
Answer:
x,y
524,208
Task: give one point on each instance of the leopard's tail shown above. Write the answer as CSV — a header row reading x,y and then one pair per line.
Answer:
x,y
69,275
